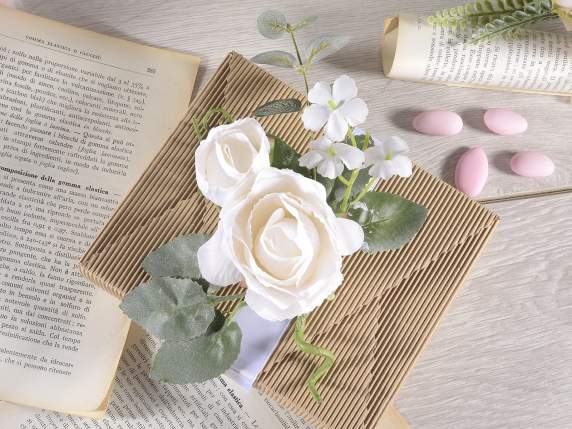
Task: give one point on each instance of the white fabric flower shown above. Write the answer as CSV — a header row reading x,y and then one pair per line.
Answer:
x,y
278,234
387,158
337,108
228,155
330,157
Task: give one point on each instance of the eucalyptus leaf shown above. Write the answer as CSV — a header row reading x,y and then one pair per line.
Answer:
x,y
177,258
170,308
388,221
199,359
275,58
323,46
278,107
283,156
305,22
271,24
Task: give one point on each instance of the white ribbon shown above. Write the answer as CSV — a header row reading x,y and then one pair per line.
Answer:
x,y
259,339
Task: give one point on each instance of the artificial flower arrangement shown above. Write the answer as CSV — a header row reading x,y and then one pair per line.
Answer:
x,y
286,221
487,19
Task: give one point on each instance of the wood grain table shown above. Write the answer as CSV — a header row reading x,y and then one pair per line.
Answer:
x,y
502,356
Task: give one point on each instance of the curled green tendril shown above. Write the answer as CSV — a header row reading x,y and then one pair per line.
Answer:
x,y
306,347
201,126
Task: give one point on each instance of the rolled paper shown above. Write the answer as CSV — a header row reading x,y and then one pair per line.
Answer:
x,y
259,339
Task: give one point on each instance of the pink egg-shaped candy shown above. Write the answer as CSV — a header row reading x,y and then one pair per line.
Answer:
x,y
505,122
531,164
438,123
472,172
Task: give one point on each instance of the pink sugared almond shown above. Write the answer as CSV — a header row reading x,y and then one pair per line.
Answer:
x,y
531,164
505,122
472,171
438,123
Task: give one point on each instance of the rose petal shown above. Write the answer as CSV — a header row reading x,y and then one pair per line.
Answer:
x,y
351,156
355,111
344,89
349,235
315,116
216,267
337,126
320,93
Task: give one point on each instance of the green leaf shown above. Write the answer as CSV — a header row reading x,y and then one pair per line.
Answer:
x,y
199,359
177,258
271,24
275,58
388,221
323,46
304,22
278,107
170,308
283,156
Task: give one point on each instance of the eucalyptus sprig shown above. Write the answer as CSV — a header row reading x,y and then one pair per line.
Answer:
x,y
487,19
178,306
272,24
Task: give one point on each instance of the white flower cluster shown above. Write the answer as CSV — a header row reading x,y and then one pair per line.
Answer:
x,y
336,109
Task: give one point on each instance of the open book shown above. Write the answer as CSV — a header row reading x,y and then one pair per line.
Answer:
x,y
81,115
535,62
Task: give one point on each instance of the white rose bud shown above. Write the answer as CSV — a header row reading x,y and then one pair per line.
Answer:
x,y
278,234
228,155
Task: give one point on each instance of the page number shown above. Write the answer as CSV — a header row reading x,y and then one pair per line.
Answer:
x,y
151,70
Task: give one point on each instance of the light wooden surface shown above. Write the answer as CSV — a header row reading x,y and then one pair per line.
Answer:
x,y
501,358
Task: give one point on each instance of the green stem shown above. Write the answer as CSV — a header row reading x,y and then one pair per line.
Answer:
x,y
215,299
234,312
322,370
365,190
299,55
345,181
197,128
208,115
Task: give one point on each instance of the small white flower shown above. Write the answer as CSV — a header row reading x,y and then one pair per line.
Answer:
x,y
387,158
337,108
330,157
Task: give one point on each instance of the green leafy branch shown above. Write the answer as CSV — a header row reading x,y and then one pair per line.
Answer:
x,y
272,24
304,346
488,19
175,305
201,126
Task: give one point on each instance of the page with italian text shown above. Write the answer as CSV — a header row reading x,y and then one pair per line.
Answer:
x,y
536,61
81,114
140,402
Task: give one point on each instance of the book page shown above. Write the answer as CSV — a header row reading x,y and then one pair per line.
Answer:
x,y
140,402
536,61
81,114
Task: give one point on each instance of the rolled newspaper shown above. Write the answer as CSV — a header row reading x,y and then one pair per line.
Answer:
x,y
535,62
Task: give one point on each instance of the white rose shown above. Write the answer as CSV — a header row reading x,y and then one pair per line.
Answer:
x,y
278,234
228,155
